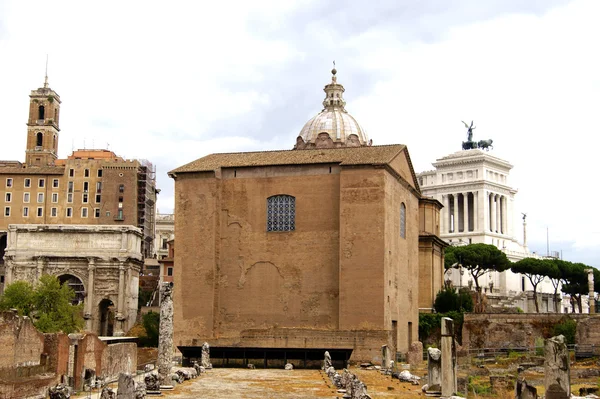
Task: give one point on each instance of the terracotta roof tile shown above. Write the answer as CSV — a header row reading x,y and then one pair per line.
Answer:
x,y
373,155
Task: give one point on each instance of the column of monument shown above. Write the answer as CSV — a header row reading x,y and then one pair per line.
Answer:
x,y
120,300
475,210
165,336
504,215
455,212
591,296
466,212
493,213
89,299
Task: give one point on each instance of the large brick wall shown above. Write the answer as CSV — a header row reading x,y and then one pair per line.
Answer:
x,y
520,330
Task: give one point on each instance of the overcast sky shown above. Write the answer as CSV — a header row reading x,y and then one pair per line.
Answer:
x,y
173,81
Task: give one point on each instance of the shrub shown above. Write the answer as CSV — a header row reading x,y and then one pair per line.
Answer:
x,y
449,300
567,328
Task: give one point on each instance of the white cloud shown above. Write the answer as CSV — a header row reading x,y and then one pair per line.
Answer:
x,y
167,81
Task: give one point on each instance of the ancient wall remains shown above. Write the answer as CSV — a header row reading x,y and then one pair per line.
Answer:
x,y
520,330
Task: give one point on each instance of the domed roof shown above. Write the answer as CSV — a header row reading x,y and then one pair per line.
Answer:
x,y
333,126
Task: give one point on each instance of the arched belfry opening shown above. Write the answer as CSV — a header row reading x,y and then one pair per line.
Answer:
x,y
107,317
76,285
39,139
41,112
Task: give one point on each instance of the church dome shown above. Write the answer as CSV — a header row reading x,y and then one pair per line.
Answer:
x,y
333,127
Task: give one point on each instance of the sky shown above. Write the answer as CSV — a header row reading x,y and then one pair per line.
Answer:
x,y
173,81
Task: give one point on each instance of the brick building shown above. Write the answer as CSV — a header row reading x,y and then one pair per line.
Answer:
x,y
301,250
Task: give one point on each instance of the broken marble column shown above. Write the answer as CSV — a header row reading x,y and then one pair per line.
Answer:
x,y
524,391
556,369
591,295
386,356
434,370
108,393
448,358
206,356
59,391
327,361
165,334
126,386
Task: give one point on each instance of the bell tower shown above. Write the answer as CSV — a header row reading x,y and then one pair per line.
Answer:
x,y
42,126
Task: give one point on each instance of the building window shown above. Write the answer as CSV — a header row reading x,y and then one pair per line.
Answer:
x,y
40,198
97,212
70,187
41,183
26,197
281,213
121,201
169,271
41,112
70,198
99,172
7,211
69,212
84,212
7,197
403,220
27,183
25,211
53,212
71,172
55,183
39,139
120,214
86,186
54,198
84,198
121,188
98,198
164,243
40,211
99,187
9,182
86,173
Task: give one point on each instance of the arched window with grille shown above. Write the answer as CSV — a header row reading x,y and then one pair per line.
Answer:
x,y
281,213
403,220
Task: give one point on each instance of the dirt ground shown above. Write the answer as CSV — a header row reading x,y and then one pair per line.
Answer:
x,y
226,383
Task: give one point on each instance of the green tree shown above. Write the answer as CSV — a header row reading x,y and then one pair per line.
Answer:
x,y
53,304
49,304
18,295
449,300
151,322
535,270
477,259
575,283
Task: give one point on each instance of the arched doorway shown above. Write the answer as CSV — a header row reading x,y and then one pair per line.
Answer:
x,y
76,285
107,317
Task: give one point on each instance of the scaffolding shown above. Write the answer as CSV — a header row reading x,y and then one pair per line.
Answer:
x,y
146,203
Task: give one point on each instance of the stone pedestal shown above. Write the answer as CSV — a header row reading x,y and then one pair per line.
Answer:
x,y
126,387
448,358
434,371
415,354
525,391
165,334
556,369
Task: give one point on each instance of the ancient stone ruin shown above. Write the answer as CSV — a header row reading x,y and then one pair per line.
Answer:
x,y
448,358
152,382
59,391
557,380
165,334
434,371
414,356
524,391
128,389
206,356
347,383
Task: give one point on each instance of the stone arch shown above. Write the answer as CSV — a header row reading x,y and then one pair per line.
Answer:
x,y
75,284
106,313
